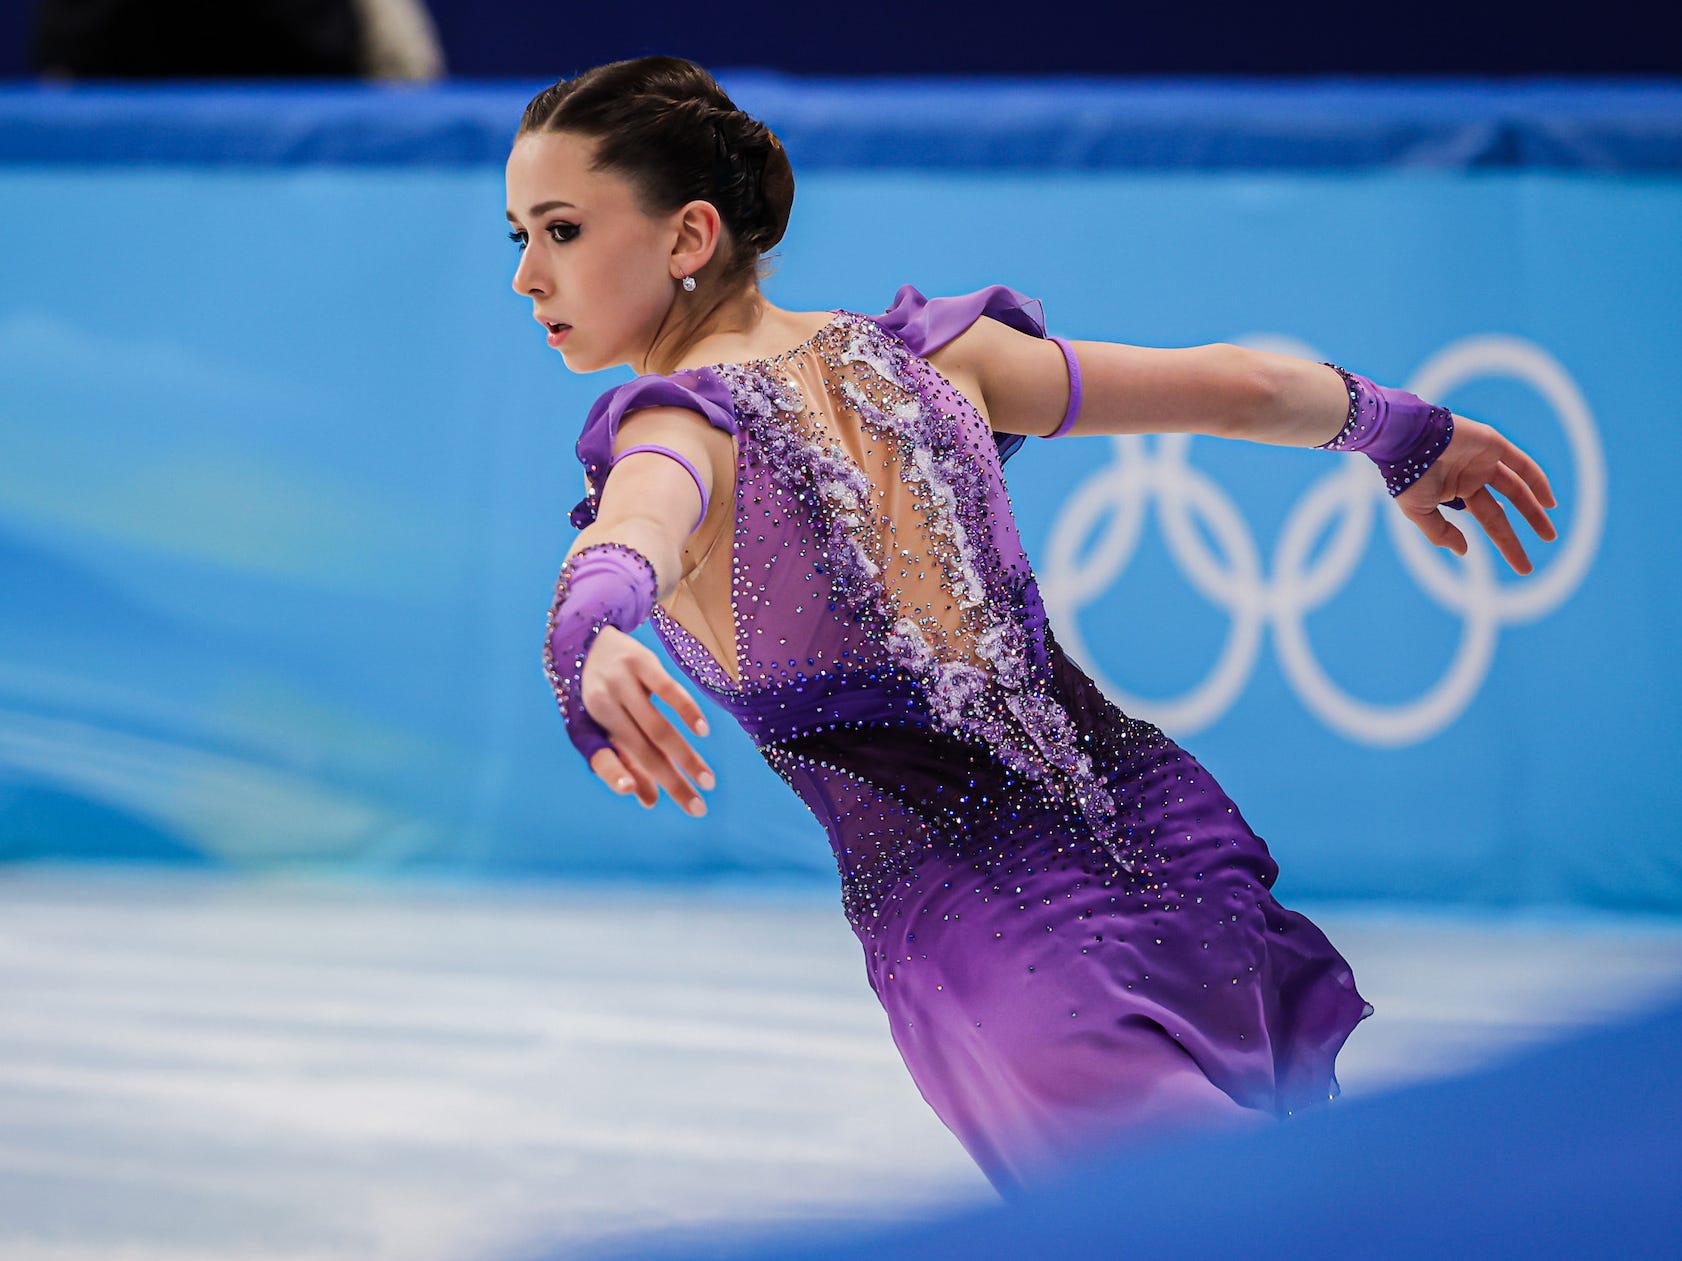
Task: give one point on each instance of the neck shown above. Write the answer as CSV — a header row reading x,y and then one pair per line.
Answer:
x,y
688,324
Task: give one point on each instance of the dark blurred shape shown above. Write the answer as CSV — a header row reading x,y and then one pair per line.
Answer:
x,y
192,39
539,39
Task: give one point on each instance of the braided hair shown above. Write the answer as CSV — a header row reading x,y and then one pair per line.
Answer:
x,y
666,126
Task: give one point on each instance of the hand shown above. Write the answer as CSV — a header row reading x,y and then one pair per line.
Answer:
x,y
1477,459
620,677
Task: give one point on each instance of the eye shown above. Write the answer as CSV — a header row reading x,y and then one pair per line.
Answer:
x,y
519,239
562,231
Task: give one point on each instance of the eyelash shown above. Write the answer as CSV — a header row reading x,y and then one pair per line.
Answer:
x,y
519,238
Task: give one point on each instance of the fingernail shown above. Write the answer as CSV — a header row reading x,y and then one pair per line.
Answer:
x,y
697,807
701,728
705,779
623,784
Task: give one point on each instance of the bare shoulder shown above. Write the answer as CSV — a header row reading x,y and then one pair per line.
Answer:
x,y
1019,382
686,431
640,483
983,341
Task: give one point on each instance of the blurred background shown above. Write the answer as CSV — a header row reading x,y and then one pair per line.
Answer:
x,y
316,936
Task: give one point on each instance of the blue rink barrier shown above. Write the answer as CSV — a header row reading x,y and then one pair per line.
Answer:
x,y
284,470
916,123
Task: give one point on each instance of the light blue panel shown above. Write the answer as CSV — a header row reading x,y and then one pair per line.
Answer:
x,y
285,466
283,492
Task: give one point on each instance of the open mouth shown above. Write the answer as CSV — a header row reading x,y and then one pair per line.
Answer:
x,y
555,328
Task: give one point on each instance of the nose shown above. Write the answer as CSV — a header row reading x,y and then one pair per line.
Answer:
x,y
528,281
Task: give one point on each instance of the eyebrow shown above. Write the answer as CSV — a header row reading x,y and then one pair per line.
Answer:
x,y
543,209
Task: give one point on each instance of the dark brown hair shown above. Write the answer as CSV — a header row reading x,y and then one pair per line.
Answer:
x,y
666,126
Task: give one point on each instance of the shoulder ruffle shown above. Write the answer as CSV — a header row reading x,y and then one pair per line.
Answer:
x,y
698,389
927,324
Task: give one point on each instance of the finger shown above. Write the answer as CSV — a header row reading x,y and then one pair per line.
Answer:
x,y
1440,531
640,758
1531,472
621,706
613,771
1488,511
660,749
1518,492
666,688
601,705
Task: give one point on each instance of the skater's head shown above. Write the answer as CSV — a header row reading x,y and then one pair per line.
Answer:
x,y
626,177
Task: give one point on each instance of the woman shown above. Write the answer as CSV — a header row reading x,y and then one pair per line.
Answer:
x,y
1067,921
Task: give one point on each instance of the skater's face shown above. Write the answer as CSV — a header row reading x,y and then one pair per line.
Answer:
x,y
592,257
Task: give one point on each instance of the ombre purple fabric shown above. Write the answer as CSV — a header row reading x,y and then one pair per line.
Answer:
x,y
1067,922
605,584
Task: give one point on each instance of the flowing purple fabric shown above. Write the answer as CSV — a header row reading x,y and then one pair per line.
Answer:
x,y
1067,922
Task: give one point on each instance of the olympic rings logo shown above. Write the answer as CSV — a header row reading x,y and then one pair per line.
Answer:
x,y
1111,506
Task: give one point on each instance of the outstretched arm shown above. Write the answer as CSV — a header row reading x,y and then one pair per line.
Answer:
x,y
1231,391
1221,390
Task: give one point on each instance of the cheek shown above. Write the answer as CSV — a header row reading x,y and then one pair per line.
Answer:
x,y
638,291
643,263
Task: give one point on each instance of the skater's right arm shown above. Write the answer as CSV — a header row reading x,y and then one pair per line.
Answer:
x,y
1230,391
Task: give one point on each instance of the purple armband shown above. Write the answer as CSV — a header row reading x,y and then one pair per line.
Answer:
x,y
605,584
1074,389
1398,431
678,456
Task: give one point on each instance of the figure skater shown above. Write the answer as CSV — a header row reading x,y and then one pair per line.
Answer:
x,y
1067,921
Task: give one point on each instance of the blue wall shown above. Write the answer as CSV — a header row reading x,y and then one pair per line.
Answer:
x,y
284,471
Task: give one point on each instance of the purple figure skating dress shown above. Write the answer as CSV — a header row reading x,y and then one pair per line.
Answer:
x,y
1067,921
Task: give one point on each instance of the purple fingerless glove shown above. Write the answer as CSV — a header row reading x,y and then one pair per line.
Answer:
x,y
605,584
1398,431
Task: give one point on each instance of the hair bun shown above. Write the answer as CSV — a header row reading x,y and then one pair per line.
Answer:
x,y
776,190
753,176
768,186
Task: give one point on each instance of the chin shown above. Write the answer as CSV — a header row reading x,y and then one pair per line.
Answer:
x,y
579,364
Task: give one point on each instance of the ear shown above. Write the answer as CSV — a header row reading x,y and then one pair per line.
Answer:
x,y
700,232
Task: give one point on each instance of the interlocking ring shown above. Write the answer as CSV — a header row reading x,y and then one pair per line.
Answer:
x,y
1146,470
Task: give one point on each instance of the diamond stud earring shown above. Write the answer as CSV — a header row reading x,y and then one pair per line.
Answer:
x,y
688,283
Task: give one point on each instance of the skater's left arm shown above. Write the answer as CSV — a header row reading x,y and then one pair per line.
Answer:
x,y
1229,391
